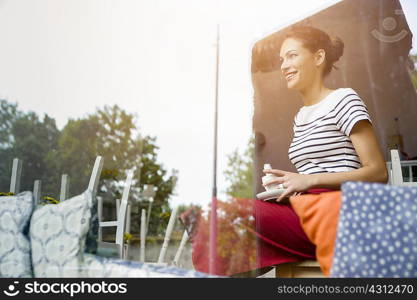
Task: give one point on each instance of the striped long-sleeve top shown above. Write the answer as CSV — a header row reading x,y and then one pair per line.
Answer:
x,y
321,140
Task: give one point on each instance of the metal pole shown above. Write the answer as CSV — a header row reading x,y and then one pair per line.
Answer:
x,y
213,215
149,214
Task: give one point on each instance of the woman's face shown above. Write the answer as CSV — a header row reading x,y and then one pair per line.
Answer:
x,y
300,67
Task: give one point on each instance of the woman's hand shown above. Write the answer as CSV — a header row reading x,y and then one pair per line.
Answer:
x,y
292,182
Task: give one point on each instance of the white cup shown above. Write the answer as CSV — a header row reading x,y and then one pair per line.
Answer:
x,y
268,178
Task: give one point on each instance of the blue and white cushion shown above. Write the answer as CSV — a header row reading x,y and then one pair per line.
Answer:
x,y
15,212
58,235
92,235
377,231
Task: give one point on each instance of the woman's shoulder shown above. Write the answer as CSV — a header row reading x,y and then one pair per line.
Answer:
x,y
345,96
342,93
336,98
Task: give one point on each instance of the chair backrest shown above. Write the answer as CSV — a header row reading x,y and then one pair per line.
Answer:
x,y
396,175
16,175
95,175
121,217
180,249
37,186
63,195
168,233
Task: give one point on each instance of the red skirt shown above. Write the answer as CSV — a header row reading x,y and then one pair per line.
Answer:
x,y
252,234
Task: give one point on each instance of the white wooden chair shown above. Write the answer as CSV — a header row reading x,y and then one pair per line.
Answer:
x,y
181,247
37,186
167,238
107,249
16,175
64,191
149,193
396,175
168,233
95,175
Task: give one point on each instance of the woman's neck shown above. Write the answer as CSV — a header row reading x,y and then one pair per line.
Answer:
x,y
314,93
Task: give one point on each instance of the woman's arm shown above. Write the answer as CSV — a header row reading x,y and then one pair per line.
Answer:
x,y
373,166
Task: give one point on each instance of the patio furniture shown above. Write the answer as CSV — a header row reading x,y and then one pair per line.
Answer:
x,y
57,243
63,195
95,175
149,192
396,175
177,257
37,186
109,249
168,233
16,175
55,248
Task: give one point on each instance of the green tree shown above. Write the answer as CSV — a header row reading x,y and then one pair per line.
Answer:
x,y
32,140
111,132
47,153
77,150
35,142
9,113
154,173
239,172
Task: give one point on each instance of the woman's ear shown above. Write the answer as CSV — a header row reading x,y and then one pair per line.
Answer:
x,y
320,57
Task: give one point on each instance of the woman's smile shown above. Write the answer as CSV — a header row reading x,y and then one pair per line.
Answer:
x,y
290,75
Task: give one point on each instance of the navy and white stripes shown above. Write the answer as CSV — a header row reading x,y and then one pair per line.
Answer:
x,y
321,140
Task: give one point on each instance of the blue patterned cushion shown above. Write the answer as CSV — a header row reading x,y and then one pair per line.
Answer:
x,y
58,235
95,266
377,231
92,235
15,213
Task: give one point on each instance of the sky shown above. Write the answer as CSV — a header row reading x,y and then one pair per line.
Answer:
x,y
154,58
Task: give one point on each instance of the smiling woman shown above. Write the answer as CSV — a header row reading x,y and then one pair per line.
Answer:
x,y
333,142
333,139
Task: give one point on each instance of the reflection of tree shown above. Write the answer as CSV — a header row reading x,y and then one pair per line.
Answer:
x,y
112,133
239,172
236,245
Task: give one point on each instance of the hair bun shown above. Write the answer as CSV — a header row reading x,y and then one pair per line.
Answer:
x,y
337,46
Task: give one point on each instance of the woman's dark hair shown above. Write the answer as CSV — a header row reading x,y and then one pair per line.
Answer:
x,y
315,39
